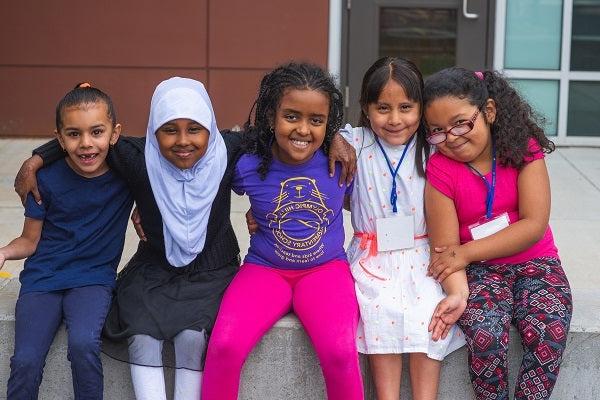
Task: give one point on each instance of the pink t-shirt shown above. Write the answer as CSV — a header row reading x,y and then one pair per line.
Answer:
x,y
455,180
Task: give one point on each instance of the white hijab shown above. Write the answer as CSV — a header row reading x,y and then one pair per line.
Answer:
x,y
184,197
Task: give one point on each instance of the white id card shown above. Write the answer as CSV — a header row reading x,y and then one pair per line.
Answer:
x,y
395,232
489,227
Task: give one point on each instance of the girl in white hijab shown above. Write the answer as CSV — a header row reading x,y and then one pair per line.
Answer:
x,y
185,168
186,159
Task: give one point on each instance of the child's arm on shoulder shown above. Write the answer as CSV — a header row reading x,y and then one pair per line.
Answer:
x,y
343,152
26,181
126,157
233,140
26,244
534,213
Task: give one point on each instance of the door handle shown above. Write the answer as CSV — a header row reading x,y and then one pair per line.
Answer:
x,y
466,13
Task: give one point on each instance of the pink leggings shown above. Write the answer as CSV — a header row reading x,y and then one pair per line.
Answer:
x,y
324,300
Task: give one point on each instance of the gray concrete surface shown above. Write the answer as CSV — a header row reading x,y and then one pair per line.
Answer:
x,y
283,366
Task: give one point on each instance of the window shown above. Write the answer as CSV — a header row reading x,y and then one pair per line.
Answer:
x,y
550,50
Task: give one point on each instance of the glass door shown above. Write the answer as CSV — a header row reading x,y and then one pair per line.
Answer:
x,y
434,34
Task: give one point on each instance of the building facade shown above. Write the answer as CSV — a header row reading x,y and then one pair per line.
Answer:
x,y
550,49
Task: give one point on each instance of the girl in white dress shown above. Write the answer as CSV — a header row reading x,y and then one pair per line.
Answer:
x,y
389,253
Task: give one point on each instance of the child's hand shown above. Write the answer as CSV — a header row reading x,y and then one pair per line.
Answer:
x,y
2,259
137,224
446,313
342,151
251,222
446,261
26,181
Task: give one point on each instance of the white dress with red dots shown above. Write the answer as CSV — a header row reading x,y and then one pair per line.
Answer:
x,y
395,295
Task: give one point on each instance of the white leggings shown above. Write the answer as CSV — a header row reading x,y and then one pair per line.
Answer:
x,y
147,375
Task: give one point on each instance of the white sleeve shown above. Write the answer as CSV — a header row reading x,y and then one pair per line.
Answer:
x,y
349,133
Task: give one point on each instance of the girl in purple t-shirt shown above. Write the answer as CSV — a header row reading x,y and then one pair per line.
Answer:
x,y
488,201
296,261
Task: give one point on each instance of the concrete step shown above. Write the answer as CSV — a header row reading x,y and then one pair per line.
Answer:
x,y
283,366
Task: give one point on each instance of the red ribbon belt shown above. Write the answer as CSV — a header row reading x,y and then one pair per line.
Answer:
x,y
368,239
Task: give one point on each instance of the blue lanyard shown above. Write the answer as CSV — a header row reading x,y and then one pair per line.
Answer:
x,y
394,172
491,187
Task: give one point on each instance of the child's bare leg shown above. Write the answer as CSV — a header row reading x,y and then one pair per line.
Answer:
x,y
424,376
387,373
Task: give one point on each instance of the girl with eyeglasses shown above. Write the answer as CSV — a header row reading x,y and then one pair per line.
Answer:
x,y
487,200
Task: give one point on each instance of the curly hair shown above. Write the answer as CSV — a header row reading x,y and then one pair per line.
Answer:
x,y
515,121
406,74
259,133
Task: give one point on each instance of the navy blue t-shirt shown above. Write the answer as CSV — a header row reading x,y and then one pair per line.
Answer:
x,y
83,233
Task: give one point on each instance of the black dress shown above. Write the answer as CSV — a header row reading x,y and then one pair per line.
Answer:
x,y
153,297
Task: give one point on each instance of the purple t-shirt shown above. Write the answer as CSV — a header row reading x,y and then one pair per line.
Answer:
x,y
298,209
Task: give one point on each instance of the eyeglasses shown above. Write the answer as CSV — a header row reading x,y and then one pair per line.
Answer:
x,y
457,130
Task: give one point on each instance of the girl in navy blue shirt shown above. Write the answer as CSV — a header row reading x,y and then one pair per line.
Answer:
x,y
73,241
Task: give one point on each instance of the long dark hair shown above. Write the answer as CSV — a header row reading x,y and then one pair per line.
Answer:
x,y
259,135
515,121
405,74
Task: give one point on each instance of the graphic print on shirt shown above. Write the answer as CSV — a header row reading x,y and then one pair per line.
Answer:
x,y
299,220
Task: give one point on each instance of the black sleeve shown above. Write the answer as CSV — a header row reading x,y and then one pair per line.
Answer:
x,y
50,152
233,142
127,159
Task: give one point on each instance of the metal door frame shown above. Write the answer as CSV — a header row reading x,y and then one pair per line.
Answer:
x,y
369,11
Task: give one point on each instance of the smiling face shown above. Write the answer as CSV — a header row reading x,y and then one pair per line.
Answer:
x,y
86,135
473,147
394,117
300,125
182,142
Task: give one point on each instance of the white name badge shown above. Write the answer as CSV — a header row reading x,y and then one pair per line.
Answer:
x,y
395,232
488,228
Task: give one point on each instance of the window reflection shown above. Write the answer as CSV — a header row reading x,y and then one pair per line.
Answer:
x,y
542,95
425,36
585,39
533,34
584,103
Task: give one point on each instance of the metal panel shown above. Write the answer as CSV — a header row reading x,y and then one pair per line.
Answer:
x,y
261,34
243,84
127,33
474,38
34,93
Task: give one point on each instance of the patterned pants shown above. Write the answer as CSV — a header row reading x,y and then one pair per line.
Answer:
x,y
534,296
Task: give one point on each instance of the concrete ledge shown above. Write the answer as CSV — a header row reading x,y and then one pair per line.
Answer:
x,y
283,366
